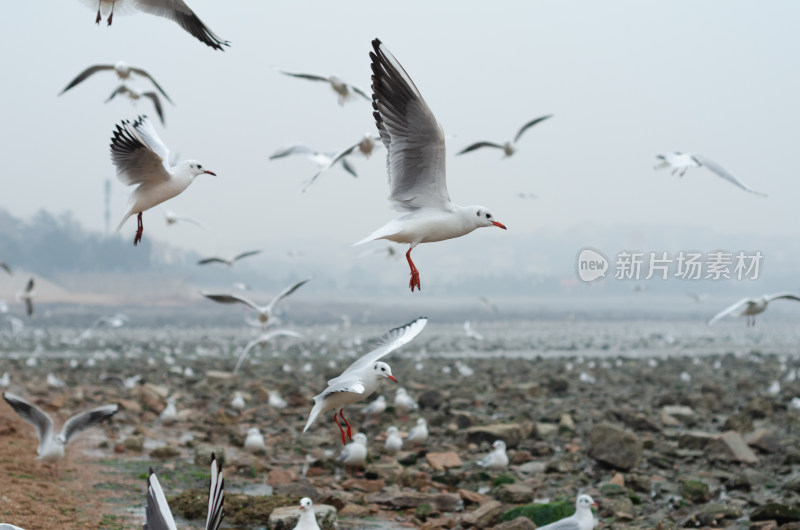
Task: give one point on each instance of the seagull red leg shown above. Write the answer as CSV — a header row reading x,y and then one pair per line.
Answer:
x,y
414,272
344,441
349,429
112,12
139,230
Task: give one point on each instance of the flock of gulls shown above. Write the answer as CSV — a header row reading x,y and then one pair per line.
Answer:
x,y
415,146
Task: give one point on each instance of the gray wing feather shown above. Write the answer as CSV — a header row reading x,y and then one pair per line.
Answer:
x,y
335,158
564,524
724,173
86,73
529,125
392,340
157,103
138,153
82,421
157,512
286,292
294,149
122,89
246,254
206,261
310,77
226,298
728,310
478,145
155,83
260,340
178,11
33,415
413,139
786,296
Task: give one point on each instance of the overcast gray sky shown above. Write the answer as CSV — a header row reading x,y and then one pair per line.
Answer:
x,y
624,80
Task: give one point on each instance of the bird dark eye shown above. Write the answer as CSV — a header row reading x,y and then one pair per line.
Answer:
x,y
199,166
488,216
478,213
383,369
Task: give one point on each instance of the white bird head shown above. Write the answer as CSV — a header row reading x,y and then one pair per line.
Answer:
x,y
382,369
391,430
585,502
483,217
421,422
61,440
305,504
360,438
194,168
253,431
122,68
499,444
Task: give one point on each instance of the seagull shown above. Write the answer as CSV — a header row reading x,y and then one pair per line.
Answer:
x,y
159,516
361,378
344,90
527,195
175,10
307,520
415,164
491,305
324,161
582,519
264,312
355,453
471,333
28,295
51,445
5,380
5,267
750,307
170,412
419,433
123,70
172,218
403,402
387,251
682,162
228,261
697,297
393,442
376,407
141,158
276,401
497,459
135,95
54,382
124,383
116,320
509,147
261,339
254,443
238,401
365,146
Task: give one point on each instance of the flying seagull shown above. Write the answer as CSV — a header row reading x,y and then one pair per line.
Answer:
x,y
141,158
415,164
171,218
261,340
364,146
51,445
682,162
228,261
750,307
28,295
175,10
123,71
159,516
343,90
5,267
361,378
324,161
136,95
509,147
264,312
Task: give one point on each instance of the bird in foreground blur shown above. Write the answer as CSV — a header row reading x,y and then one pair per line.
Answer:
x,y
175,10
135,95
415,164
51,445
750,307
509,147
158,516
361,378
123,71
682,162
343,90
141,158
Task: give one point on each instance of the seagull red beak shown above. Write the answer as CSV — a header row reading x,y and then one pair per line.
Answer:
x,y
392,378
210,172
499,225
594,504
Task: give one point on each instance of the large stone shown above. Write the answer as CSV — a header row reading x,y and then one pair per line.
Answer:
x,y
764,440
365,485
443,461
776,512
615,446
444,502
520,523
285,518
731,446
431,399
510,433
514,493
484,516
696,440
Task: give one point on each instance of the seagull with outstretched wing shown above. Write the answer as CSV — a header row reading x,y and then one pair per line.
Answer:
x,y
123,71
343,90
750,307
509,147
680,163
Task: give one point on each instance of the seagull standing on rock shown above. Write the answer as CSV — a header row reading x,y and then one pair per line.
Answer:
x,y
308,519
141,158
393,442
361,378
497,459
415,164
582,519
419,434
254,443
354,454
